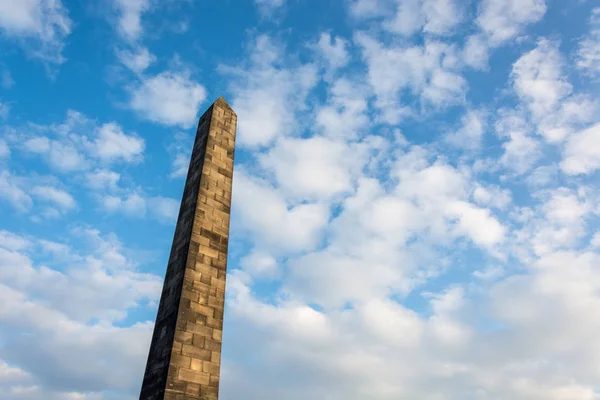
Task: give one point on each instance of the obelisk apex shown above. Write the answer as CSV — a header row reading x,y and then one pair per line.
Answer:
x,y
185,352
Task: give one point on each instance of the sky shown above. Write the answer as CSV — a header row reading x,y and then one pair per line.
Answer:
x,y
415,206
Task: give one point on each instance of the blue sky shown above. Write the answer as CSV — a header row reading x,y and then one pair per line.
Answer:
x,y
415,209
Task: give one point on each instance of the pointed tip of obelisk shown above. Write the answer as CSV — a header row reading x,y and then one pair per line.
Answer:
x,y
221,101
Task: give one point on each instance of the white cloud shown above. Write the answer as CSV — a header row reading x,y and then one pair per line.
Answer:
x,y
132,205
315,168
470,134
445,88
521,150
267,95
476,52
557,223
13,242
169,98
179,149
395,232
42,25
79,143
407,19
588,54
11,190
284,228
260,264
63,156
4,149
538,79
478,224
180,166
441,16
138,205
489,274
542,176
523,361
137,60
502,20
492,196
541,85
595,242
130,13
53,195
427,71
4,110
438,17
364,9
112,144
6,80
334,50
102,179
582,152
60,306
164,209
267,7
345,113
11,374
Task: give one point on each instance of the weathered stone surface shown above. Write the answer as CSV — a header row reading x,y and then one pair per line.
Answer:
x,y
185,353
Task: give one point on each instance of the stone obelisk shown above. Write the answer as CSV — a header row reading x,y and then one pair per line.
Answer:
x,y
185,352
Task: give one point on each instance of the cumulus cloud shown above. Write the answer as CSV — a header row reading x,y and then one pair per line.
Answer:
x,y
137,60
284,228
40,25
408,17
6,80
113,144
492,196
581,154
260,264
428,72
13,191
54,195
139,205
588,54
364,9
440,347
476,52
129,24
267,7
59,304
538,79
133,205
504,20
344,115
470,134
379,227
4,110
317,168
430,16
266,94
79,143
102,179
169,98
521,149
4,149
179,149
334,50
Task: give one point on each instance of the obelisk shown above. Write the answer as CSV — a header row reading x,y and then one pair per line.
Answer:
x,y
185,352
